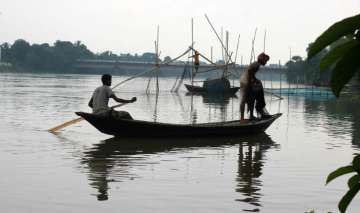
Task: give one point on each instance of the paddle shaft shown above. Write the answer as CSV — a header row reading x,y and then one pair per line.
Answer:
x,y
76,120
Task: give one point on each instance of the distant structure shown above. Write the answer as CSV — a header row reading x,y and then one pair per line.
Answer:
x,y
131,67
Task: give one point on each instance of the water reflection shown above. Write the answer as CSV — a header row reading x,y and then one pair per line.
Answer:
x,y
339,118
114,160
215,102
214,99
250,163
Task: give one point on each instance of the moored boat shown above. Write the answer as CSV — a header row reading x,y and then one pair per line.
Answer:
x,y
213,86
139,128
200,89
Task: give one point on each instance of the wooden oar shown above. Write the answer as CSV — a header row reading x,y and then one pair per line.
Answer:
x,y
76,120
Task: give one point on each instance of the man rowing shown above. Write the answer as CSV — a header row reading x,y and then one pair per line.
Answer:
x,y
252,89
100,99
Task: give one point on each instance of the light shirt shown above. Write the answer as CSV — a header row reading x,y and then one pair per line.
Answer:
x,y
100,99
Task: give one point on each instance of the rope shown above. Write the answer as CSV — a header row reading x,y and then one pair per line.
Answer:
x,y
173,87
186,70
143,73
208,70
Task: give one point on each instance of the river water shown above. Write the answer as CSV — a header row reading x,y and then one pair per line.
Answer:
x,y
83,170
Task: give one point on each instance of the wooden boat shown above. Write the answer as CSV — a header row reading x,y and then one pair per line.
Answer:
x,y
213,86
200,89
139,128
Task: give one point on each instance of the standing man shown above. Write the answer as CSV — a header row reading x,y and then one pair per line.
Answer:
x,y
196,57
100,99
252,89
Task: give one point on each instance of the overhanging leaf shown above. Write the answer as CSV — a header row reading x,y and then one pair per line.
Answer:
x,y
340,171
345,69
345,201
336,53
333,33
356,163
353,181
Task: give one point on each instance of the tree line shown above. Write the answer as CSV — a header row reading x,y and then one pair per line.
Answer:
x,y
307,71
61,56
313,70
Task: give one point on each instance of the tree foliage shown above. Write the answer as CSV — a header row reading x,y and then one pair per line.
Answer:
x,y
344,59
61,56
353,182
306,72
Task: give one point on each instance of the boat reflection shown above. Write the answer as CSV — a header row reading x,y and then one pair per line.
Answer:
x,y
250,163
215,99
113,160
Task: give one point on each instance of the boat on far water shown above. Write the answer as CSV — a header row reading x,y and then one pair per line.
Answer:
x,y
138,128
213,86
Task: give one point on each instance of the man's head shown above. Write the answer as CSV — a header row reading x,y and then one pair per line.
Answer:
x,y
263,58
106,79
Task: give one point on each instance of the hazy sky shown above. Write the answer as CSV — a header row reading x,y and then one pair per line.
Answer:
x,y
129,26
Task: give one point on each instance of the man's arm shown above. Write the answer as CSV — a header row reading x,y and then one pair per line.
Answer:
x,y
113,96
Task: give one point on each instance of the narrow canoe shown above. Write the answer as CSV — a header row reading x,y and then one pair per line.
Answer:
x,y
139,128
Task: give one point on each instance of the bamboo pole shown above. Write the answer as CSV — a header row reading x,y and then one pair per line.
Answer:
x,y
155,116
271,74
280,78
297,84
264,40
227,57
252,47
157,60
148,84
148,71
237,48
222,39
217,35
289,71
271,80
192,53
173,87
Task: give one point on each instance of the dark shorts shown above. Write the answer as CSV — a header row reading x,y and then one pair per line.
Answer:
x,y
196,66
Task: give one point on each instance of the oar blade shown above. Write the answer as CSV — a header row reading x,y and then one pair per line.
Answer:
x,y
73,121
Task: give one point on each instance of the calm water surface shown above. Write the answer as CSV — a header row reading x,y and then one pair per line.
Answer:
x,y
82,170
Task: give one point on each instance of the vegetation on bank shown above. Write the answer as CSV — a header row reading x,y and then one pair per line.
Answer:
x,y
316,70
61,56
307,71
343,61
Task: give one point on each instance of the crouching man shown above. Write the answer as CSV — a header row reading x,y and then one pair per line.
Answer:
x,y
100,99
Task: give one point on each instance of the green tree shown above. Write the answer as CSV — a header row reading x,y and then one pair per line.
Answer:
x,y
19,50
5,52
344,58
344,61
167,59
